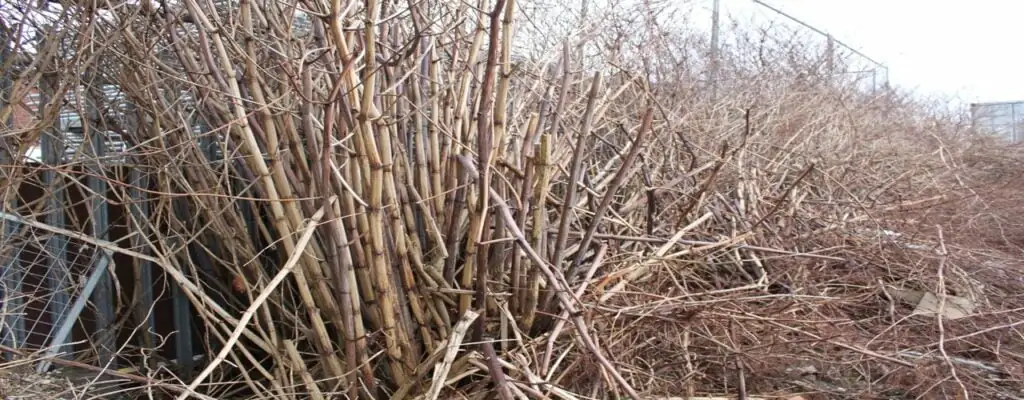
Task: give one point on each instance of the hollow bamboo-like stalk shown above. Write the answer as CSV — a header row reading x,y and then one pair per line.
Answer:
x,y
538,230
574,177
313,390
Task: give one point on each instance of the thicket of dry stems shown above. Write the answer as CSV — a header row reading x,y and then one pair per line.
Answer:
x,y
575,230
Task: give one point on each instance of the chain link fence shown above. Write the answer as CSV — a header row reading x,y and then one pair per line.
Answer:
x,y
46,283
836,58
1003,119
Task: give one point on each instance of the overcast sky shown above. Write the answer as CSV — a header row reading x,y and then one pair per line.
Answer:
x,y
968,50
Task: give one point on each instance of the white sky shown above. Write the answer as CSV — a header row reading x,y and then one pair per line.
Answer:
x,y
966,51
959,50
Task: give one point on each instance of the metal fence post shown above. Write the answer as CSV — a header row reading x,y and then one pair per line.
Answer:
x,y
715,32
6,88
1013,124
12,322
57,276
138,208
830,54
103,296
874,81
13,328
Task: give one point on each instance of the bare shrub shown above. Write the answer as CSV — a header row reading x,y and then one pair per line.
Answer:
x,y
568,200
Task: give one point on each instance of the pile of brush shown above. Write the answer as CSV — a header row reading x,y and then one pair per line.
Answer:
x,y
402,201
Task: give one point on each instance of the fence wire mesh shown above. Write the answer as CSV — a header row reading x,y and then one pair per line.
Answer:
x,y
43,273
1003,119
